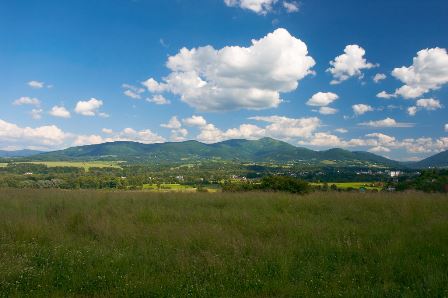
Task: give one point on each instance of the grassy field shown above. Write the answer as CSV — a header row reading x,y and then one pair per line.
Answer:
x,y
355,185
79,164
2,165
92,243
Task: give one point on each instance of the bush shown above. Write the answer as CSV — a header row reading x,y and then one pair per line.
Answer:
x,y
282,183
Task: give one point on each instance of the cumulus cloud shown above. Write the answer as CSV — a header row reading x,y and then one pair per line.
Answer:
x,y
174,123
360,109
412,111
341,130
36,84
236,77
379,149
178,133
89,107
25,100
429,71
388,122
290,7
446,127
195,121
379,77
132,91
48,136
278,127
327,111
258,6
350,64
59,111
378,142
158,100
107,131
288,128
145,136
36,114
322,99
384,94
429,104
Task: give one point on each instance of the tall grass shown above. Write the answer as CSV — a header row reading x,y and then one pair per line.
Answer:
x,y
93,243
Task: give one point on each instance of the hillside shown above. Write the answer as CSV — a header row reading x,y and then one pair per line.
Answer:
x,y
436,161
18,153
263,150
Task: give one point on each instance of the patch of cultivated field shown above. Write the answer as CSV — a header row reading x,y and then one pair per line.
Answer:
x,y
174,187
105,244
355,185
79,164
2,165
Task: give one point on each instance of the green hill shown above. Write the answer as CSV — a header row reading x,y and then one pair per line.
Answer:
x,y
263,150
18,153
439,160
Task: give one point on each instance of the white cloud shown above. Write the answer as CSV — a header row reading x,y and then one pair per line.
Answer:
x,y
323,139
388,122
446,127
384,94
350,64
378,142
145,136
174,123
132,94
360,109
379,77
60,111
195,121
429,71
153,86
412,111
379,149
237,77
322,99
287,128
132,91
258,6
327,111
178,133
291,7
25,100
429,104
88,108
36,114
341,130
36,84
48,136
107,131
278,127
158,100
88,140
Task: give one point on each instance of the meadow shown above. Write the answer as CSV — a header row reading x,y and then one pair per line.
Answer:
x,y
104,243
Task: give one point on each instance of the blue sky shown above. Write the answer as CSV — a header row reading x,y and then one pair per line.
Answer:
x,y
82,72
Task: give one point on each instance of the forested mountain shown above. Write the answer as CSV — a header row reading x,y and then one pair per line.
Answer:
x,y
263,150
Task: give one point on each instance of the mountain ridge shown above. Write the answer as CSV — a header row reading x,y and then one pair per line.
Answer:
x,y
262,150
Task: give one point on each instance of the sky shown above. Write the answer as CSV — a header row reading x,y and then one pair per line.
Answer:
x,y
359,75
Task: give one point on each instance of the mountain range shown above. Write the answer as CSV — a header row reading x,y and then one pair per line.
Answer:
x,y
263,150
18,153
